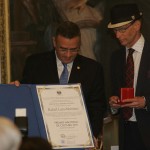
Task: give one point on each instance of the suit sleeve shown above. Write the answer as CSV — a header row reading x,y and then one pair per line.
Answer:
x,y
97,102
29,71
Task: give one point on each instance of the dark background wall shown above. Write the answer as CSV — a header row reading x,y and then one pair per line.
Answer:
x,y
26,34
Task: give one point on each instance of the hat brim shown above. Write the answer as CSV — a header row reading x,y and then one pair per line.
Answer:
x,y
110,25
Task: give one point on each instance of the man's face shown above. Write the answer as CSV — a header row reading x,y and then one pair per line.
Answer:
x,y
66,49
128,34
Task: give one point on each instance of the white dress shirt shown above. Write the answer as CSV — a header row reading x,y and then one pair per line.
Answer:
x,y
60,67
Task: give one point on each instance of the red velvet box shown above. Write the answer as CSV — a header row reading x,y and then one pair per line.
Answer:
x,y
126,93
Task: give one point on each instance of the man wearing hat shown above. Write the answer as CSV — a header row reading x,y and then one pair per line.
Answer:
x,y
130,67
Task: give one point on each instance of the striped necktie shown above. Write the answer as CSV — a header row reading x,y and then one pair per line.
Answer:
x,y
130,69
64,75
129,78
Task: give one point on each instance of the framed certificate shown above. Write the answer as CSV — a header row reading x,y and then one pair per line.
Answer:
x,y
65,118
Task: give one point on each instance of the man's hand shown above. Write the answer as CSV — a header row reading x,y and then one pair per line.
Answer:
x,y
136,102
113,102
17,83
98,142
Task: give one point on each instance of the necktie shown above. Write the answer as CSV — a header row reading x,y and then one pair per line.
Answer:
x,y
64,75
130,69
129,79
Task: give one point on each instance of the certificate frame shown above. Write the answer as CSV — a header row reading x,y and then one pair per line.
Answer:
x,y
65,116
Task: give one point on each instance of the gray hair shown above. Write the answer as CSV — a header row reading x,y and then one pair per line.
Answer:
x,y
10,136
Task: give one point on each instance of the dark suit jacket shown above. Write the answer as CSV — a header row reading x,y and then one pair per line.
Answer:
x,y
42,69
142,89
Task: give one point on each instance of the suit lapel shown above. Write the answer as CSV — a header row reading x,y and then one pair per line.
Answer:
x,y
143,68
75,74
53,73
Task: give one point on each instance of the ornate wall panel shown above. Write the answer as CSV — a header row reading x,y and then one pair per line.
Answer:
x,y
4,42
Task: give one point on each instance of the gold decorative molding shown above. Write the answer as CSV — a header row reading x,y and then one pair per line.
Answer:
x,y
4,41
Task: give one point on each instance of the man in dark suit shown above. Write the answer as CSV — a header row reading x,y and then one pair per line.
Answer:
x,y
46,68
134,132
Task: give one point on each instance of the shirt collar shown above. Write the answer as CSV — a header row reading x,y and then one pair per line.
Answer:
x,y
59,63
138,46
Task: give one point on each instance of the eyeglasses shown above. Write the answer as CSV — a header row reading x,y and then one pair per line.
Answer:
x,y
71,50
124,28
